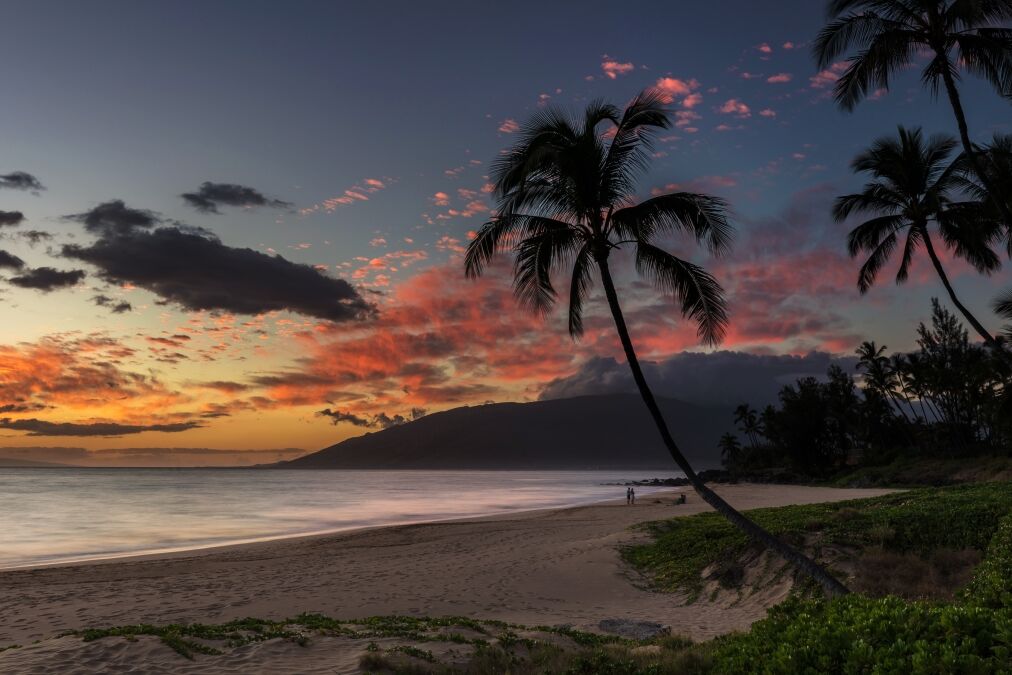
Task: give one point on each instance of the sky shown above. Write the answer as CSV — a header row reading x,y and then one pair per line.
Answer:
x,y
247,226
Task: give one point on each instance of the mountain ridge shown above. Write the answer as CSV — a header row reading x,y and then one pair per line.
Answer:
x,y
609,431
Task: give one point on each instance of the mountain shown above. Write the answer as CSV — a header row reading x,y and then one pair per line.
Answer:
x,y
587,432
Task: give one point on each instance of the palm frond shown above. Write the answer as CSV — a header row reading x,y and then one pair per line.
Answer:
x,y
700,294
704,217
537,257
875,262
503,233
578,290
629,153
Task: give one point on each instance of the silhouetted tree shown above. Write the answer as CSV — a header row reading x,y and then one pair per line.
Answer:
x,y
960,35
565,201
911,189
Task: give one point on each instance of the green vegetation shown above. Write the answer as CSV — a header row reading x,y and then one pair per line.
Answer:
x,y
916,521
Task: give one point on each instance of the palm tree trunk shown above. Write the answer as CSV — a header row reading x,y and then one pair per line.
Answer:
x,y
971,152
977,326
802,562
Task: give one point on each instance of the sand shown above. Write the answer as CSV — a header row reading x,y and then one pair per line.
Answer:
x,y
541,567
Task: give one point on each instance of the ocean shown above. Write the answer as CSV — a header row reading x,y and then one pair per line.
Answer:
x,y
60,515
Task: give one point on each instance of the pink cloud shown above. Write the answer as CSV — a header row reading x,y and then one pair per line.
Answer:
x,y
765,48
670,88
441,199
735,107
780,78
768,112
509,126
692,100
684,118
612,69
829,76
788,45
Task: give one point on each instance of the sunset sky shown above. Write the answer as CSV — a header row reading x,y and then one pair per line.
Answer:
x,y
363,138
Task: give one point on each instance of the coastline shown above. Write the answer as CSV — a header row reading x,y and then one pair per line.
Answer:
x,y
196,549
537,567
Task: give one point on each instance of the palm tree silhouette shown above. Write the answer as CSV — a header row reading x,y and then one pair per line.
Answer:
x,y
959,34
730,451
748,423
912,187
565,201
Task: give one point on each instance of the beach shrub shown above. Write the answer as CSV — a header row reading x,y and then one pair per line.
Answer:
x,y
856,634
916,521
992,583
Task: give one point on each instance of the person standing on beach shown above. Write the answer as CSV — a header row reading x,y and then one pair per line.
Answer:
x,y
632,496
628,495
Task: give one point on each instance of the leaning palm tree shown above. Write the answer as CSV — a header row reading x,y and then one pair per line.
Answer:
x,y
565,202
912,189
960,35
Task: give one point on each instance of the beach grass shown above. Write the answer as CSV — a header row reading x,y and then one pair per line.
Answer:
x,y
916,521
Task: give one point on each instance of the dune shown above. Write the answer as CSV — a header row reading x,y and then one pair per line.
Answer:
x,y
536,568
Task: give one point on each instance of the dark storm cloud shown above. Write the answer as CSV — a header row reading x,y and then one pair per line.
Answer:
x,y
720,378
337,416
36,427
33,237
381,420
112,304
10,261
114,218
47,279
20,180
193,269
210,196
11,218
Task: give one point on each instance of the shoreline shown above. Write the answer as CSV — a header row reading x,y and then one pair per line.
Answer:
x,y
539,567
183,551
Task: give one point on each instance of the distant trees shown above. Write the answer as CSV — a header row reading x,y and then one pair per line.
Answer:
x,y
950,397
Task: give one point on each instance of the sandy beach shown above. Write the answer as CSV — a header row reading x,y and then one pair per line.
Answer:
x,y
540,567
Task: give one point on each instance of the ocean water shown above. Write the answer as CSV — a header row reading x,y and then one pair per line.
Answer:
x,y
67,515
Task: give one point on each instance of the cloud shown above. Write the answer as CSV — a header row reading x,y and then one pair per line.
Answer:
x,y
356,193
612,69
380,420
47,279
829,76
780,78
36,427
194,270
210,196
10,261
509,126
11,218
115,218
33,237
117,307
768,112
671,88
692,100
765,48
735,107
20,180
719,378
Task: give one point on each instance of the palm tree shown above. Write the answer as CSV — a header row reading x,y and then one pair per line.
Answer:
x,y
565,202
730,451
748,423
959,34
912,188
879,374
